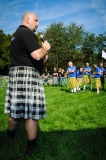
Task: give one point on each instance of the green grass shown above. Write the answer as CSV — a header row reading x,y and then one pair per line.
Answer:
x,y
75,128
2,82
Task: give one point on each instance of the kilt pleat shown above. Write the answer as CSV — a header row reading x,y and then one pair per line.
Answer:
x,y
97,82
79,80
72,82
25,94
55,80
87,79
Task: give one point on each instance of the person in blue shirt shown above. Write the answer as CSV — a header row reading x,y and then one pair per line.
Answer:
x,y
71,72
79,74
87,76
102,72
97,78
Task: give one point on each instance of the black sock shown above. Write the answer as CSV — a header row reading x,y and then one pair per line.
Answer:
x,y
11,133
31,146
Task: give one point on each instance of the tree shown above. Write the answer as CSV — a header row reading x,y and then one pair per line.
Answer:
x,y
100,45
66,43
4,49
89,48
57,36
75,36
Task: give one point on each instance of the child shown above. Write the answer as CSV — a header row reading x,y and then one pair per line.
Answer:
x,y
62,78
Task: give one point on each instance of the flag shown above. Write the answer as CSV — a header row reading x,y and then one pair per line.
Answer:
x,y
103,54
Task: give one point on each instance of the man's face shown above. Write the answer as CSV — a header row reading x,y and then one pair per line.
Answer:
x,y
81,69
33,22
95,66
101,65
87,64
70,64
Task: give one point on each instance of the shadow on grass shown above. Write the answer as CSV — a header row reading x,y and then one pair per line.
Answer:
x,y
67,90
85,144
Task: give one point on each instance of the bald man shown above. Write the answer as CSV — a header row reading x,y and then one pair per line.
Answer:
x,y
25,93
71,72
87,76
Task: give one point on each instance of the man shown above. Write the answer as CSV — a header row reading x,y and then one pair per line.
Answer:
x,y
102,72
97,78
71,72
25,93
87,77
79,74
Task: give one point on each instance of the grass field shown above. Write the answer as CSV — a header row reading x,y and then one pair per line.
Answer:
x,y
75,128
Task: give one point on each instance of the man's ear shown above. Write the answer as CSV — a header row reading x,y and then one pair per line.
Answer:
x,y
27,20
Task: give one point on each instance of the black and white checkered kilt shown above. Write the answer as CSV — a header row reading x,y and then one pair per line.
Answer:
x,y
25,94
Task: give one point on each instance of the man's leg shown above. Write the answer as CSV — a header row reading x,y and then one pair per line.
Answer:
x,y
97,90
102,82
90,86
74,89
12,124
84,87
31,129
102,85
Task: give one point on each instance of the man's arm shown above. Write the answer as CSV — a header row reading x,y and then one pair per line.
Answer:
x,y
40,53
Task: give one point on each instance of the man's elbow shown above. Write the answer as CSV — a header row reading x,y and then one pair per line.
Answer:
x,y
35,56
38,58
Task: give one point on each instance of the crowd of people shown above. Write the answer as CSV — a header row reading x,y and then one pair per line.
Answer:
x,y
76,79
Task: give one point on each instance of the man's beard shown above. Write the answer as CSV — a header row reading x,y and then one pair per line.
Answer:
x,y
34,30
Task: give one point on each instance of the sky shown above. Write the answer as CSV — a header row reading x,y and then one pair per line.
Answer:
x,y
89,13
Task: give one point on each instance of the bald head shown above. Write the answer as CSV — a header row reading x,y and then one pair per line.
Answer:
x,y
27,15
30,20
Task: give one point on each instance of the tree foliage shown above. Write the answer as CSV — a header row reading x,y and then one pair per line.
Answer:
x,y
100,44
4,49
57,36
68,43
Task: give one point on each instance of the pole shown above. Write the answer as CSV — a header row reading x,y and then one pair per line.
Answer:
x,y
102,60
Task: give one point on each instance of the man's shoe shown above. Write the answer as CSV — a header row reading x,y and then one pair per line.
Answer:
x,y
11,134
31,146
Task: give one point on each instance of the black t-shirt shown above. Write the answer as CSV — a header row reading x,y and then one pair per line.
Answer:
x,y
62,74
23,43
46,73
55,73
59,74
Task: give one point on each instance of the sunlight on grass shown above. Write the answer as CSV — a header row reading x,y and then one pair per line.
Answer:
x,y
74,129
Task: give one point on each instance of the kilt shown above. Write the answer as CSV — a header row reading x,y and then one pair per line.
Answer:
x,y
79,80
87,79
25,94
55,80
72,82
97,82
